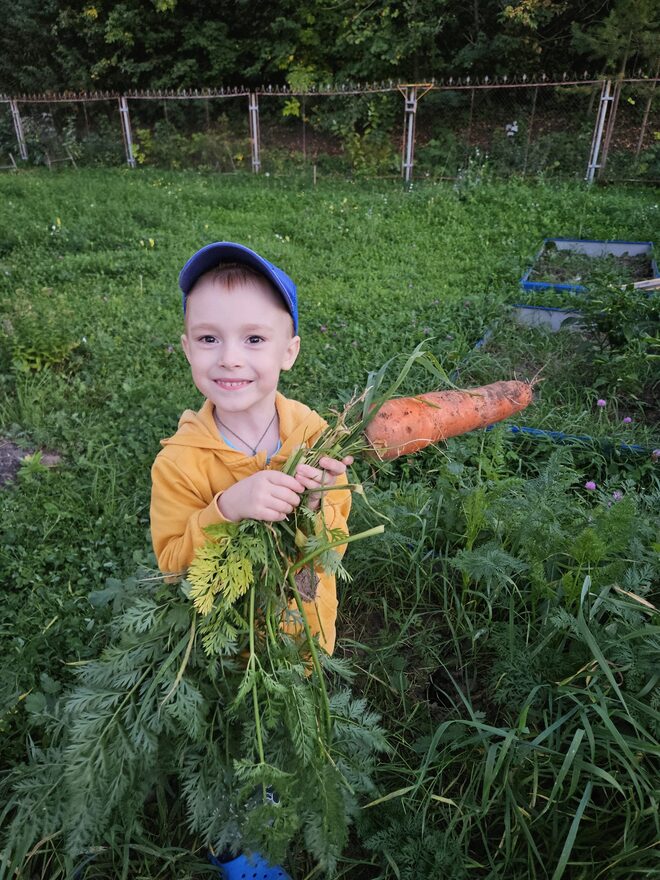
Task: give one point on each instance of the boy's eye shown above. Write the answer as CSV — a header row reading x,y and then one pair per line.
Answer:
x,y
207,339
253,340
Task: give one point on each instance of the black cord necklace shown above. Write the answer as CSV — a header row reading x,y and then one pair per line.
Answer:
x,y
244,442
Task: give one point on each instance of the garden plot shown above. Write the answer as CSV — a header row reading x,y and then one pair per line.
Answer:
x,y
566,269
576,264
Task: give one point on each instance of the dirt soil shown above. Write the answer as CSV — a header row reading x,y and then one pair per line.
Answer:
x,y
571,267
11,457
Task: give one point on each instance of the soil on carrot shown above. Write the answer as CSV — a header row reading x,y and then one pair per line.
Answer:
x,y
568,267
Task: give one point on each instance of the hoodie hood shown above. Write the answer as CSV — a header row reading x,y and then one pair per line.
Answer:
x,y
299,426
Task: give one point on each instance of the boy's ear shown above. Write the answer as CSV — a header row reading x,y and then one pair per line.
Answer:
x,y
292,350
184,346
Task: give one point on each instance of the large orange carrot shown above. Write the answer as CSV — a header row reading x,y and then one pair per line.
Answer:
x,y
406,424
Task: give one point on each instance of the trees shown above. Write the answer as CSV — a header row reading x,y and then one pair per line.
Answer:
x,y
26,60
627,37
133,44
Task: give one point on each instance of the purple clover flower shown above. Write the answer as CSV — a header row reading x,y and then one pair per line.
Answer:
x,y
617,496
601,403
627,420
590,485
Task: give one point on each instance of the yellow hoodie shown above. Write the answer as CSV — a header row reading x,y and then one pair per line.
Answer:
x,y
196,466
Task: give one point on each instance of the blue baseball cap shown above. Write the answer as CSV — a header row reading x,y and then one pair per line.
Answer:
x,y
219,252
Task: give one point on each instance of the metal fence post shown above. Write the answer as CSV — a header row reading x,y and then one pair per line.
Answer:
x,y
609,129
603,106
18,128
126,131
411,98
255,140
408,151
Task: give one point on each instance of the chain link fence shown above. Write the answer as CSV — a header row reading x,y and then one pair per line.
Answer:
x,y
434,130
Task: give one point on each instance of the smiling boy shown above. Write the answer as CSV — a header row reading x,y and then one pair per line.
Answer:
x,y
224,462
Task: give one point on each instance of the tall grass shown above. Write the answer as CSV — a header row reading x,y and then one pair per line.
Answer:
x,y
522,674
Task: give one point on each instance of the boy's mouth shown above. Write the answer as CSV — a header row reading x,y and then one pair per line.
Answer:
x,y
232,384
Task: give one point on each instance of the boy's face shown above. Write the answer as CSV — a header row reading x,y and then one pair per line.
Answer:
x,y
237,341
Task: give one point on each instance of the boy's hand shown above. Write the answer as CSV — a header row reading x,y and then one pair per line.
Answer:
x,y
324,475
266,495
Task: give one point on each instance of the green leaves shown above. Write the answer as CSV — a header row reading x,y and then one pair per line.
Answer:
x,y
301,721
220,567
203,702
489,566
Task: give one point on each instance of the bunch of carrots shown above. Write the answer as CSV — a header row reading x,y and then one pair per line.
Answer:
x,y
381,426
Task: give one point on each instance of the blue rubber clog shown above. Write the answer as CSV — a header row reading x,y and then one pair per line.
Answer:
x,y
253,868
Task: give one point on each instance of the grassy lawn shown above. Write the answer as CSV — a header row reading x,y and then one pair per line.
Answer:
x,y
503,626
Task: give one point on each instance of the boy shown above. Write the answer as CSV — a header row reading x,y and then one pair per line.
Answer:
x,y
223,464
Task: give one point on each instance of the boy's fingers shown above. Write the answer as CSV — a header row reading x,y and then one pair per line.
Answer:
x,y
311,482
275,511
306,470
333,466
277,478
271,515
283,498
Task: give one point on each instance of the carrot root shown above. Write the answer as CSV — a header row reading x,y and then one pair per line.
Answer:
x,y
407,424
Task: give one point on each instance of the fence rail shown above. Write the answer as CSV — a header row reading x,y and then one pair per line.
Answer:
x,y
466,112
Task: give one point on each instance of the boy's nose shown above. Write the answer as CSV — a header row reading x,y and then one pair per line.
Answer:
x,y
230,355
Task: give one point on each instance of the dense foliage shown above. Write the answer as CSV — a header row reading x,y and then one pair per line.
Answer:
x,y
504,627
168,44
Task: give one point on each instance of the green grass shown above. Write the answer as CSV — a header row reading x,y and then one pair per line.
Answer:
x,y
502,680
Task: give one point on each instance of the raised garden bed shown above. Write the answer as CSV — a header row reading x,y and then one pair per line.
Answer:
x,y
566,267
571,264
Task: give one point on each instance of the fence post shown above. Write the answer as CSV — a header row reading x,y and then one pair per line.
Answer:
x,y
255,140
603,105
408,152
18,128
614,106
126,130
